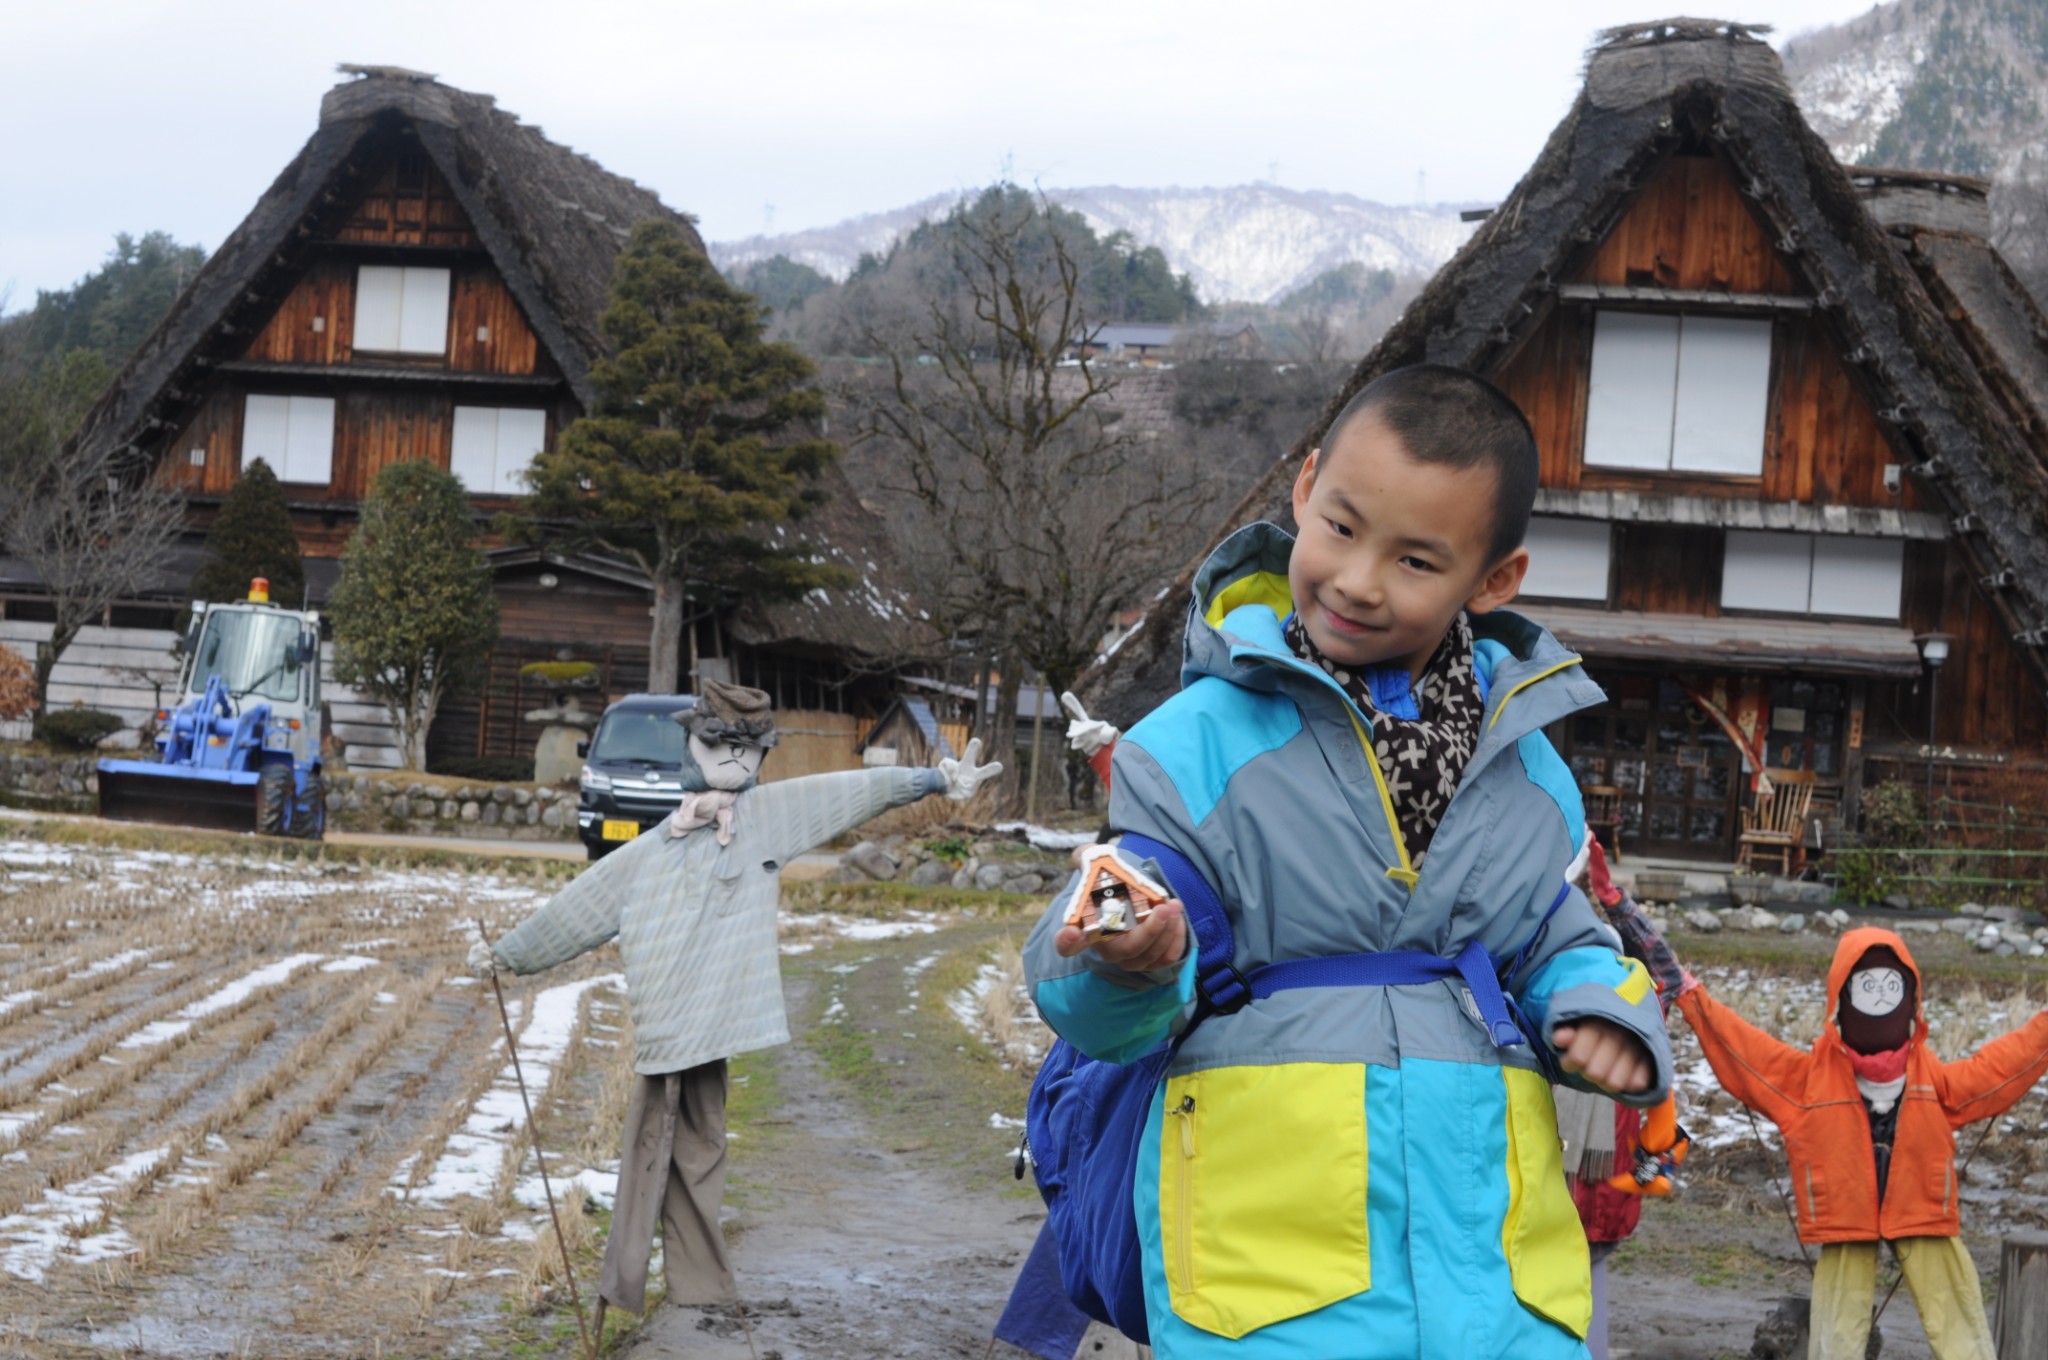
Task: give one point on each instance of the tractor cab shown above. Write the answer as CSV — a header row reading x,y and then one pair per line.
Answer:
x,y
241,750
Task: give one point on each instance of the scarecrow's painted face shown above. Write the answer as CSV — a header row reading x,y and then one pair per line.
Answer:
x,y
1876,991
726,764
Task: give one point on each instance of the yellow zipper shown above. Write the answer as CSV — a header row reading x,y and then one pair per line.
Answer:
x,y
1184,1195
1502,707
1405,872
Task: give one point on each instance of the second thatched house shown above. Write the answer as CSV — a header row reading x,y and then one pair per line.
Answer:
x,y
1793,419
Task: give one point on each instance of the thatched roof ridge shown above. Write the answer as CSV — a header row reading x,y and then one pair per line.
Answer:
x,y
553,221
1647,88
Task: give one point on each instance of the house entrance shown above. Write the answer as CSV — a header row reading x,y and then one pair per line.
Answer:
x,y
1680,775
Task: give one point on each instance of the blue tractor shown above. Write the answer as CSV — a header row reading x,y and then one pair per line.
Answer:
x,y
241,751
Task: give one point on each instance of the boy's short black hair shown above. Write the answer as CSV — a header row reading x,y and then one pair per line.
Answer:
x,y
1449,416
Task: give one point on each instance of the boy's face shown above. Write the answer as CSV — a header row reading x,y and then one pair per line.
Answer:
x,y
1391,549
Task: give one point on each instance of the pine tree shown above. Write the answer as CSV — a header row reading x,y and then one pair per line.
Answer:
x,y
252,537
690,447
414,613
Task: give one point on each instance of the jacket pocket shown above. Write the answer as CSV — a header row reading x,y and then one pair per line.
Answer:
x,y
1262,1182
1542,1237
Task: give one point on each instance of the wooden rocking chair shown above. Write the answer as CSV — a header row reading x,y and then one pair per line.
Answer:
x,y
1776,823
1603,814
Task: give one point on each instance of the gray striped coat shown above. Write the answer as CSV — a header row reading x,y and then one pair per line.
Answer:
x,y
696,920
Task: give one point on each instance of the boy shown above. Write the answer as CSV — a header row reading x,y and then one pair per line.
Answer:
x,y
1364,1171
1869,1117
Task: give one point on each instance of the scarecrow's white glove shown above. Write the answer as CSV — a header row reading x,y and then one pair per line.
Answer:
x,y
482,961
1085,734
965,775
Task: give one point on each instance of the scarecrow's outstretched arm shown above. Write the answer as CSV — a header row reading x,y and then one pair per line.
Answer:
x,y
1761,1071
581,916
1992,1079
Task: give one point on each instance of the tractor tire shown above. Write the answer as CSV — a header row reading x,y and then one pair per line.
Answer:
x,y
273,797
309,810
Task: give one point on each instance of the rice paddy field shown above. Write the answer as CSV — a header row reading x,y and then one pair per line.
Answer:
x,y
251,1105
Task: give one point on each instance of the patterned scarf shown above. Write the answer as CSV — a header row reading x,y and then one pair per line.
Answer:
x,y
1424,757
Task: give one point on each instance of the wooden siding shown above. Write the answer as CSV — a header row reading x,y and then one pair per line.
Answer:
x,y
375,427
326,293
215,427
1822,442
1668,569
581,611
484,305
1988,696
409,204
481,305
1690,228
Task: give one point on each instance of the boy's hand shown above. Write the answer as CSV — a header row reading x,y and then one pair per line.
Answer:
x,y
1158,941
1605,1054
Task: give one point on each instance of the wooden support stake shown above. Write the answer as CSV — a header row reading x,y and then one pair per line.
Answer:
x,y
2020,1316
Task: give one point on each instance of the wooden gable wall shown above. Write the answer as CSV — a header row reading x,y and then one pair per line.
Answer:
x,y
406,214
1691,228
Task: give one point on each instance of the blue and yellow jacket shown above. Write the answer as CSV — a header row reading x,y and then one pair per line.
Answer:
x,y
1352,1171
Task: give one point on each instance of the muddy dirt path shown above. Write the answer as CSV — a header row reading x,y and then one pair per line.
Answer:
x,y
865,1244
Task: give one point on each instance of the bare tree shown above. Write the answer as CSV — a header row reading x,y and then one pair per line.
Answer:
x,y
1028,509
92,526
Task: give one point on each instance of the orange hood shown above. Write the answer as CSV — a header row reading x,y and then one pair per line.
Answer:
x,y
1854,945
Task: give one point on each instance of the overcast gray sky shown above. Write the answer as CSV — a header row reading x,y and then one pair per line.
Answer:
x,y
134,115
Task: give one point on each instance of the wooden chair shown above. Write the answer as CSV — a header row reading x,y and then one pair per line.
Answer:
x,y
1776,823
1603,813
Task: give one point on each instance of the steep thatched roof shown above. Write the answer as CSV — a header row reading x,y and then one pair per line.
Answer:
x,y
873,619
1649,87
552,220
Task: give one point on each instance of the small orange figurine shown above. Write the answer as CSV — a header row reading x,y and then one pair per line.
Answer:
x,y
1113,896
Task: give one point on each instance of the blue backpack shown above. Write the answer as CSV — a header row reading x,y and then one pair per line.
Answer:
x,y
1084,1118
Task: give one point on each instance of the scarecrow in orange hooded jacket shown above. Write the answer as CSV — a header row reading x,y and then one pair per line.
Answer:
x,y
1869,1117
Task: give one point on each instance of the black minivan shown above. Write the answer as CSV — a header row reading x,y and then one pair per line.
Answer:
x,y
632,770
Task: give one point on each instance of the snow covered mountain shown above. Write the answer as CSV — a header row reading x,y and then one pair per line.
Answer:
x,y
1246,243
1954,85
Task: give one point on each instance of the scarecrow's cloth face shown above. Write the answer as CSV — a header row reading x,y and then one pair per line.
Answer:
x,y
726,764
1876,991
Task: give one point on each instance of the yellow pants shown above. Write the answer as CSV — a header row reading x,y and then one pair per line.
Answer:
x,y
1942,1277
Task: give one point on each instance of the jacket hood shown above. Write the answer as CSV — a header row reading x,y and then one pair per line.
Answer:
x,y
1853,946
1225,639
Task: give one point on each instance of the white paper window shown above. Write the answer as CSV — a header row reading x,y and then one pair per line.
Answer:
x,y
493,447
295,435
1813,574
401,310
1678,393
1567,558
1860,577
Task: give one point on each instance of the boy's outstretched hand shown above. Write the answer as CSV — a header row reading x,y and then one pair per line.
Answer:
x,y
1605,1054
1158,941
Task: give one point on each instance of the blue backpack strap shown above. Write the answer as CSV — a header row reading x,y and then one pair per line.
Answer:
x,y
1218,985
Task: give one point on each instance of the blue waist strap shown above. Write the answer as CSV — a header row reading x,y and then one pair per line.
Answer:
x,y
1399,968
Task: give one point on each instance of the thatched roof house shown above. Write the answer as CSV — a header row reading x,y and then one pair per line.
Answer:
x,y
1886,342
425,280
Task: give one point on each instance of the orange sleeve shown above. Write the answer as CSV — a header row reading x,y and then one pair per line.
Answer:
x,y
1762,1072
1099,762
1989,1081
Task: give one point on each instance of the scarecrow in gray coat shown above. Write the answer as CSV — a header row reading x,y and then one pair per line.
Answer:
x,y
693,904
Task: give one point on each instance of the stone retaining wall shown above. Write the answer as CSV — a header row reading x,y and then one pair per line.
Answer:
x,y
60,783
405,803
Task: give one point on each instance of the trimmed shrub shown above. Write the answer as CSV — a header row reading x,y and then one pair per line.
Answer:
x,y
79,729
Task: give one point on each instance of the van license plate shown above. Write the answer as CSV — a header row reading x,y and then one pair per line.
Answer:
x,y
620,831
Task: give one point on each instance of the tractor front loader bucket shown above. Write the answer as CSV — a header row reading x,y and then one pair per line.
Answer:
x,y
177,795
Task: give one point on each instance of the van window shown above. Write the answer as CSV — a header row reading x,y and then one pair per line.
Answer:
x,y
654,738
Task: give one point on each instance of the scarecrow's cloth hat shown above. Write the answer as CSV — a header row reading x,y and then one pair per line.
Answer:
x,y
731,713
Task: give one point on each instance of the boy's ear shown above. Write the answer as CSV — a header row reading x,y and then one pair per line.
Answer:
x,y
1305,482
1500,584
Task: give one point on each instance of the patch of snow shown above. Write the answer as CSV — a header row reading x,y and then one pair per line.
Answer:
x,y
270,975
40,1235
1045,838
